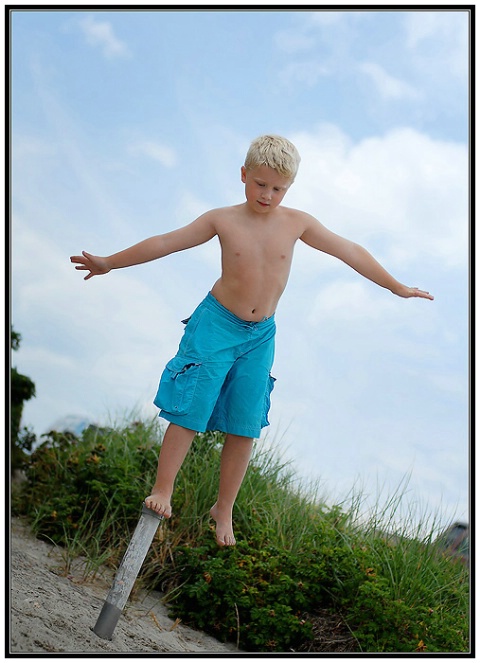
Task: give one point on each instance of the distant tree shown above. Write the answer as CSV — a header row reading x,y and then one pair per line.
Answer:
x,y
16,338
21,389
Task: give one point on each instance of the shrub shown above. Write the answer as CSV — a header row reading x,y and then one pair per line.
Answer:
x,y
91,484
21,389
258,596
410,598
296,558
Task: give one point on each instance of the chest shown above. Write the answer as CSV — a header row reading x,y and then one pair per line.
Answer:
x,y
263,244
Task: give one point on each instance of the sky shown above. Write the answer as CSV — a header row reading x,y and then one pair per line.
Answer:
x,y
128,124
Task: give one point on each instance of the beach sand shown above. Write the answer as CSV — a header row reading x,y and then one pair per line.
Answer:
x,y
54,612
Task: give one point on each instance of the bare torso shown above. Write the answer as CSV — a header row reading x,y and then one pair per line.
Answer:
x,y
257,252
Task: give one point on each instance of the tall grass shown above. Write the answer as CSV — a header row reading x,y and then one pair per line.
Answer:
x,y
297,559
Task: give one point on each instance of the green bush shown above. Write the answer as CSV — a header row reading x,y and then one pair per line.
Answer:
x,y
252,599
296,557
89,485
21,389
384,623
256,596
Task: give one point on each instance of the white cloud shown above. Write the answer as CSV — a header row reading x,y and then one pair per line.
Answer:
x,y
100,33
292,41
109,337
439,42
31,146
43,161
450,383
429,50
156,151
388,86
328,18
404,189
307,72
349,301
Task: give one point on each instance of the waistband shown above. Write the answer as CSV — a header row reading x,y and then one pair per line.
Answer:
x,y
211,302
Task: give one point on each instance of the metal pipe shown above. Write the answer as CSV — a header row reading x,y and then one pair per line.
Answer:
x,y
127,573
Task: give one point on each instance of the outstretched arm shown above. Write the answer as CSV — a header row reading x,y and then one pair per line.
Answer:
x,y
199,231
354,255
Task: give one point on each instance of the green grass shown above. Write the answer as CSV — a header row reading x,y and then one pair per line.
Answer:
x,y
297,559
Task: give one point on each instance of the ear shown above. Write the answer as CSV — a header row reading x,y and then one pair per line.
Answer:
x,y
243,172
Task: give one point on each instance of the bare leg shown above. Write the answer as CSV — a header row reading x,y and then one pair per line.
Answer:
x,y
236,454
175,445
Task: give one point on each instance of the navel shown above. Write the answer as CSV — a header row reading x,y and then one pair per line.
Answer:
x,y
253,310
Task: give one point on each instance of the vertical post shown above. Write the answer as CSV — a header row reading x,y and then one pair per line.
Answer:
x,y
127,573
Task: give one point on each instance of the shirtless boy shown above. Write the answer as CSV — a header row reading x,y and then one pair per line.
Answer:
x,y
220,378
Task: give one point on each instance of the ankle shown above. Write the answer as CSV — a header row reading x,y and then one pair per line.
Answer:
x,y
161,490
222,509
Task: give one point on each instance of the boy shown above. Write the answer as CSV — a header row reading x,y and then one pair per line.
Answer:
x,y
220,378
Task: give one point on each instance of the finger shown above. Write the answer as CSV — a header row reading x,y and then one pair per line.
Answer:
x,y
83,258
422,293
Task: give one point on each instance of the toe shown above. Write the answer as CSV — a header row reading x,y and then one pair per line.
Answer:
x,y
160,508
226,541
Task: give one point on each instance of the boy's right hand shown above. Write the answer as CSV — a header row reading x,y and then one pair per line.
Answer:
x,y
95,265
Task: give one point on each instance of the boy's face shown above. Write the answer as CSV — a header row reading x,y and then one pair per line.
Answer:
x,y
264,188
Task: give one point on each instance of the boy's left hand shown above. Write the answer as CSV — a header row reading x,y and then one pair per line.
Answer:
x,y
407,292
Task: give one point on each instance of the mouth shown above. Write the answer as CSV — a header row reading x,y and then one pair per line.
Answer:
x,y
262,204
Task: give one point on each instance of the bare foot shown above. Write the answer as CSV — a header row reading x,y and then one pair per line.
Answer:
x,y
225,536
160,503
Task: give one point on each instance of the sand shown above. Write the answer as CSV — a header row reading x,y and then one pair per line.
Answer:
x,y
52,611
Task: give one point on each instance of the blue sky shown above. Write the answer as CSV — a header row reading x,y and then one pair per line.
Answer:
x,y
129,124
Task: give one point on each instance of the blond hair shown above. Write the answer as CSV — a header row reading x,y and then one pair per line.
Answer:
x,y
275,152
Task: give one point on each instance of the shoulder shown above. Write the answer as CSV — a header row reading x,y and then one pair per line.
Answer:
x,y
211,218
223,217
303,220
220,213
296,213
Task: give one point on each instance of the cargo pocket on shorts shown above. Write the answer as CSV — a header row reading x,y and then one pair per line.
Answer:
x,y
268,392
177,385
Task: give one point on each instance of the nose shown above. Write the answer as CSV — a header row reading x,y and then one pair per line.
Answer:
x,y
266,195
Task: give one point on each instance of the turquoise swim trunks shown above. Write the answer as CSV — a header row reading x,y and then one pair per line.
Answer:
x,y
220,377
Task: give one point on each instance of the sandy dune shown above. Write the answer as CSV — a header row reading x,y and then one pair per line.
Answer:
x,y
53,612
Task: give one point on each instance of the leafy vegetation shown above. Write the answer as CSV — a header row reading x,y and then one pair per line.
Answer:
x,y
21,389
298,562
